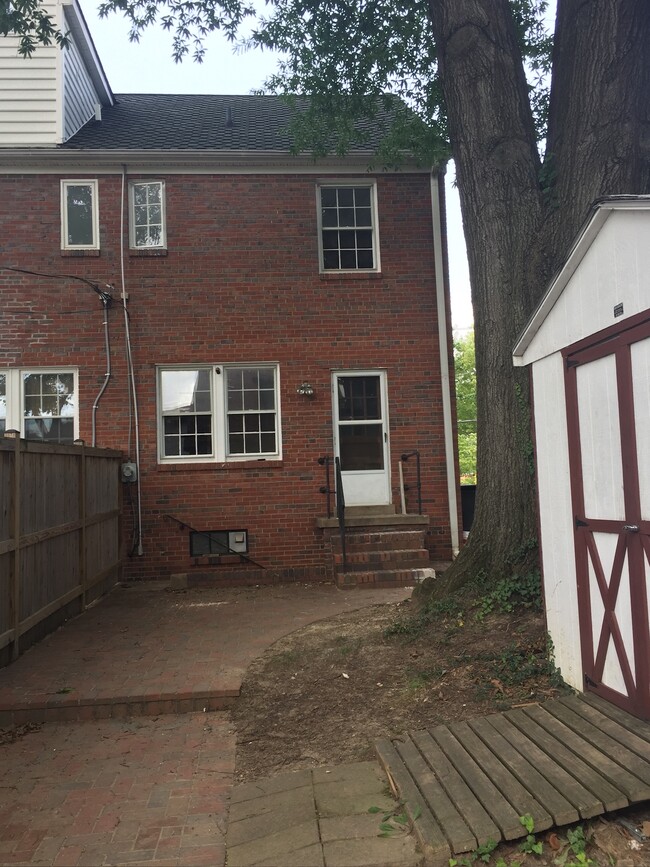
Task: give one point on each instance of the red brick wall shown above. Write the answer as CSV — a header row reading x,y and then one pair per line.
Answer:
x,y
240,283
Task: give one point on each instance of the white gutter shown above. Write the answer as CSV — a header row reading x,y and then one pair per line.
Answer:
x,y
443,341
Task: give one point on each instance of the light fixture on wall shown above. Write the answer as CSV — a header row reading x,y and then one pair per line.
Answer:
x,y
305,389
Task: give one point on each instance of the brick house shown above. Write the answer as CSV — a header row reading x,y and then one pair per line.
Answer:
x,y
175,284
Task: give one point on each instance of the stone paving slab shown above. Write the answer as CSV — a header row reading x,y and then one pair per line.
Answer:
x,y
118,792
146,650
269,825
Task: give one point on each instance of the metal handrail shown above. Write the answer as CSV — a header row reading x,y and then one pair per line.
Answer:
x,y
340,506
416,454
326,489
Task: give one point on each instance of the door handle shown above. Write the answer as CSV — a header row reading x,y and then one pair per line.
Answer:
x,y
631,528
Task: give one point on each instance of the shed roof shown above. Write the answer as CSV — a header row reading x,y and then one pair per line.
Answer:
x,y
199,122
601,210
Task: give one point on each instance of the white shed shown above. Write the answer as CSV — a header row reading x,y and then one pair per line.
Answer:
x,y
588,347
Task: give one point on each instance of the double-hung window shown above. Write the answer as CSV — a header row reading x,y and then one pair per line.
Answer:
x,y
79,215
147,215
42,404
218,413
347,220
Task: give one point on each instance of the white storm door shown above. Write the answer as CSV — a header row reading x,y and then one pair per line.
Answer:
x,y
361,435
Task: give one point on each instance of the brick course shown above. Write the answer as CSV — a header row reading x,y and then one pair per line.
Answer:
x,y
239,283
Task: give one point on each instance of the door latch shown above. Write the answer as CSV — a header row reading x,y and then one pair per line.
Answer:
x,y
631,528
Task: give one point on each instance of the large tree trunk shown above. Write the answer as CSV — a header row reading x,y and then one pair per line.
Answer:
x,y
518,229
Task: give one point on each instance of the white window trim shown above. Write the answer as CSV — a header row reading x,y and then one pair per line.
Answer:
x,y
350,182
76,182
163,233
16,395
219,416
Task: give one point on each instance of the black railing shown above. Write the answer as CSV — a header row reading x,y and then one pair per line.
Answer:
x,y
340,507
337,490
326,489
415,454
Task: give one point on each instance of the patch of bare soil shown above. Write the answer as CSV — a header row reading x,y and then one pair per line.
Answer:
x,y
325,693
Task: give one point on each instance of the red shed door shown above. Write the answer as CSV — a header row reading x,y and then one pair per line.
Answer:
x,y
608,406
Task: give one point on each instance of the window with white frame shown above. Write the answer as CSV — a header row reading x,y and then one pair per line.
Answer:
x,y
42,404
147,214
218,413
348,227
79,215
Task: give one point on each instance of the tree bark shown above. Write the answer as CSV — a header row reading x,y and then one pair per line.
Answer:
x,y
519,224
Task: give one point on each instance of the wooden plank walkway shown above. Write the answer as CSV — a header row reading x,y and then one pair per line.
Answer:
x,y
563,761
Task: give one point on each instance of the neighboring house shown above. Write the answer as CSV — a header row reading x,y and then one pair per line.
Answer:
x,y
588,345
267,310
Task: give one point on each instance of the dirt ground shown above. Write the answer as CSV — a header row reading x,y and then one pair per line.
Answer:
x,y
322,695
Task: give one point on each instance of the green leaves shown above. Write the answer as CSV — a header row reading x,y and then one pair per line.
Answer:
x,y
28,20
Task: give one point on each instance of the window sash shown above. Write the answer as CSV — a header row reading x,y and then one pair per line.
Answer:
x,y
147,217
80,215
347,227
41,403
242,418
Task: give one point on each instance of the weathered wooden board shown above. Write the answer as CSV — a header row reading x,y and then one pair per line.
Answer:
x,y
568,759
451,821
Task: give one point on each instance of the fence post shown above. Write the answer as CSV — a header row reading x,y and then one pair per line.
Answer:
x,y
15,598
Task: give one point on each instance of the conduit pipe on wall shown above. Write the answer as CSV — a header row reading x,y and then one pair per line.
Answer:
x,y
443,341
105,299
133,398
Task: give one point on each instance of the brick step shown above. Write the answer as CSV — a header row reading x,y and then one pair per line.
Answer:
x,y
404,559
398,540
382,578
60,709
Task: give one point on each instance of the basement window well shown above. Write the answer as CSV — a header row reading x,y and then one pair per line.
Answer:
x,y
212,542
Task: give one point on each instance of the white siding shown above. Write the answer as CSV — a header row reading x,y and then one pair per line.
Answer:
x,y
556,517
30,95
80,95
614,270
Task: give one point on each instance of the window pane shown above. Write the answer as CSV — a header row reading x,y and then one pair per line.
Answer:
x,y
250,378
331,260
251,400
267,377
361,447
252,444
172,446
267,399
365,259
362,196
348,259
236,444
328,197
267,422
346,196
79,211
346,217
268,443
181,390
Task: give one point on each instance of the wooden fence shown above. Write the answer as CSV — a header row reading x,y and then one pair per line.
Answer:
x,y
59,536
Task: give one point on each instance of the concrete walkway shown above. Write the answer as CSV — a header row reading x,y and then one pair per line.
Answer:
x,y
326,817
125,771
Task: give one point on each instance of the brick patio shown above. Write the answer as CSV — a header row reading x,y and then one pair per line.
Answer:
x,y
86,789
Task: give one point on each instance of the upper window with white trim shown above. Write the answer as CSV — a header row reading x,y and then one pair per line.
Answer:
x,y
348,236
147,215
218,413
42,404
79,215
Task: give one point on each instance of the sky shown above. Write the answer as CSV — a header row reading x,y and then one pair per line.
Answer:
x,y
148,67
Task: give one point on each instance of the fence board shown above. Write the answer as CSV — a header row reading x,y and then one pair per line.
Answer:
x,y
59,532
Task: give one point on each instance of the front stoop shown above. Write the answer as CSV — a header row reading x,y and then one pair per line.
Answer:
x,y
382,549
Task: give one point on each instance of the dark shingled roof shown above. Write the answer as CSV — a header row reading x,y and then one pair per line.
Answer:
x,y
197,122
